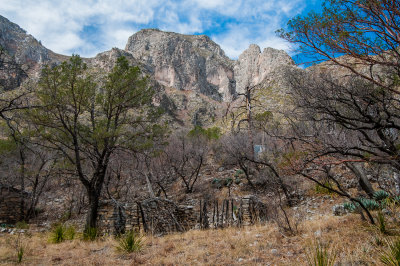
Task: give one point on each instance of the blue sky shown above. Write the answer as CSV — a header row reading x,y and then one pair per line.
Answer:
x,y
93,26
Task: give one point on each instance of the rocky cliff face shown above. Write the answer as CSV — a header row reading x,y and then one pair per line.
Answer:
x,y
253,67
191,72
185,62
194,62
23,53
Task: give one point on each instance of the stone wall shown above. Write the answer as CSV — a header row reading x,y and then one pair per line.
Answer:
x,y
153,215
10,205
160,216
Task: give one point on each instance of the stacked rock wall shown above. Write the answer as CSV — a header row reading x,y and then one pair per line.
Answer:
x,y
160,216
10,205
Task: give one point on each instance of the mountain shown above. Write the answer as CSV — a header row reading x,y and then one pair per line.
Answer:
x,y
24,53
194,78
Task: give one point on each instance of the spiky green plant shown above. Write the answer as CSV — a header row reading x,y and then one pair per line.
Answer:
x,y
370,204
320,255
380,195
349,206
130,242
58,234
391,256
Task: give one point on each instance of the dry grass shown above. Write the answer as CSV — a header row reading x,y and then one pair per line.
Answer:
x,y
353,240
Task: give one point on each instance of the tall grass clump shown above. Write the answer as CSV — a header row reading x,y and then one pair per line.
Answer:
x,y
391,256
320,255
61,232
382,223
130,242
90,234
19,248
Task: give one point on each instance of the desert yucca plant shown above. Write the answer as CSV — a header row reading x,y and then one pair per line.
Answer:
x,y
320,255
391,256
130,242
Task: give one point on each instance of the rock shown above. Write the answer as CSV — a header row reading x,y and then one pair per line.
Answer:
x,y
339,210
274,251
190,73
240,259
253,67
185,62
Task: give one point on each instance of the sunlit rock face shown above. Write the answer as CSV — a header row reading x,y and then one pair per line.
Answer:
x,y
192,75
185,62
253,67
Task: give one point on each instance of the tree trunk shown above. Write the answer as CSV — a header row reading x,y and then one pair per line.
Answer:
x,y
149,186
22,180
362,178
91,218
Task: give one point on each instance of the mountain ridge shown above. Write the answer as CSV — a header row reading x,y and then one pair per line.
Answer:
x,y
175,62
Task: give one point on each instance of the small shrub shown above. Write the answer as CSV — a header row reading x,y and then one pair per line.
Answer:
x,y
391,256
323,190
90,234
130,242
320,255
70,232
58,234
380,195
22,225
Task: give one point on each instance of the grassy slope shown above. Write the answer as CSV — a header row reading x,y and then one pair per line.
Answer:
x,y
353,240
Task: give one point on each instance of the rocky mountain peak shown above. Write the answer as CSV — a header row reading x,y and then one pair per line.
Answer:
x,y
22,46
253,67
185,62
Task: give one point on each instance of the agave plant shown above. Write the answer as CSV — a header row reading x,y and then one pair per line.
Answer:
x,y
380,195
370,204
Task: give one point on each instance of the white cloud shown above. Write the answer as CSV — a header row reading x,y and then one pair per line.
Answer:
x,y
92,26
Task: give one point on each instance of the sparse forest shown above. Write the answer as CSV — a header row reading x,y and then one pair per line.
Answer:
x,y
99,154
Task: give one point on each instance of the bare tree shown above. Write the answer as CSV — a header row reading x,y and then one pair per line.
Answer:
x,y
187,155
